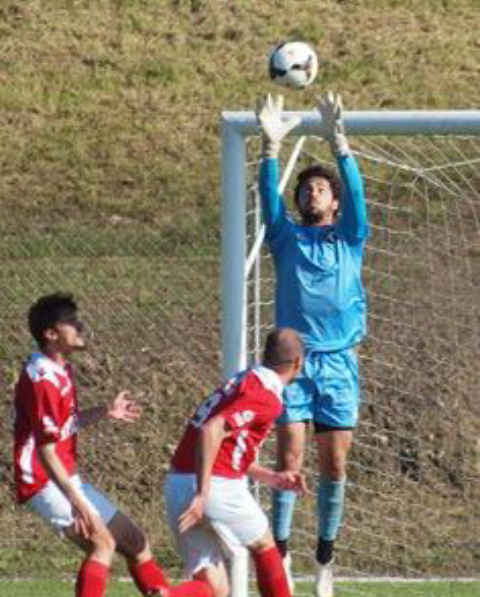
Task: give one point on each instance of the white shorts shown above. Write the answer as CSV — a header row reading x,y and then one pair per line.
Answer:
x,y
52,505
233,518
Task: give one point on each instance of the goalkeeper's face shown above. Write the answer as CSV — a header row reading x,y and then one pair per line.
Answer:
x,y
316,202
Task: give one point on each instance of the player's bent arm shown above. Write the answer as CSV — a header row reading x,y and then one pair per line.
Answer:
x,y
354,220
92,415
286,480
210,438
262,474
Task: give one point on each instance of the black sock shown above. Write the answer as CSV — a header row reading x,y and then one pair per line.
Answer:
x,y
282,546
324,551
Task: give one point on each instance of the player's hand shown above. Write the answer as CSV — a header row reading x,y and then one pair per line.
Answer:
x,y
193,514
86,522
123,408
291,481
274,127
331,110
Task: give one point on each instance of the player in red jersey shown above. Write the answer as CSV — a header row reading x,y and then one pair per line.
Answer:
x,y
47,420
209,505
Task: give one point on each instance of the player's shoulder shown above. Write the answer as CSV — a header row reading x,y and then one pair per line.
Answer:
x,y
267,380
40,368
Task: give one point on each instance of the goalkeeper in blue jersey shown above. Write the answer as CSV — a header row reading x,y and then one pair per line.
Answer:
x,y
319,292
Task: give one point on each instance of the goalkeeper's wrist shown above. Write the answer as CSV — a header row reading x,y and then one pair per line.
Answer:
x,y
270,149
339,145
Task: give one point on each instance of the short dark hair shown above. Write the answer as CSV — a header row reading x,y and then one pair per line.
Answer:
x,y
319,171
49,310
282,347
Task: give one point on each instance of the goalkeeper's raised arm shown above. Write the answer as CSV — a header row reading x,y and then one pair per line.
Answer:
x,y
274,129
353,220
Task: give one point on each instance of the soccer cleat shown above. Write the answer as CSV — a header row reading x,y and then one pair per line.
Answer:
x,y
287,566
324,581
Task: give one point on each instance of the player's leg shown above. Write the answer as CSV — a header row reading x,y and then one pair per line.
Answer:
x,y
238,520
290,452
291,431
336,415
333,448
199,547
298,409
52,505
210,581
132,543
93,575
272,580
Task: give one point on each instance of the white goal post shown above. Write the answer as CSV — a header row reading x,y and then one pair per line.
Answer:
x,y
242,321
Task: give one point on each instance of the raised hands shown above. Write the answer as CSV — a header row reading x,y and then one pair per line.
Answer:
x,y
274,126
331,110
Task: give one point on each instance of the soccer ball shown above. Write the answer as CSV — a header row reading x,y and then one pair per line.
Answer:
x,y
293,63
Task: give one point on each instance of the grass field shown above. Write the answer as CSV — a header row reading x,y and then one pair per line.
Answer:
x,y
343,589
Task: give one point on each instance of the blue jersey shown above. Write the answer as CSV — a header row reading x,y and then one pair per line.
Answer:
x,y
319,290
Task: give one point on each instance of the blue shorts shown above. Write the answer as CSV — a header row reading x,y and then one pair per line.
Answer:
x,y
326,391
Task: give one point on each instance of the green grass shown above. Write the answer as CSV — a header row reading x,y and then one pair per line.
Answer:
x,y
343,589
407,589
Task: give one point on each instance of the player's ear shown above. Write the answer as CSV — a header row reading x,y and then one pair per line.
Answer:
x,y
297,365
50,335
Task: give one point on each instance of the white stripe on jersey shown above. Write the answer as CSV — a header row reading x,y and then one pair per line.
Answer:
x,y
270,380
26,460
41,367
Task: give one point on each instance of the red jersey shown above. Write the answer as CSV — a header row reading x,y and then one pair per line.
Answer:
x,y
45,411
250,404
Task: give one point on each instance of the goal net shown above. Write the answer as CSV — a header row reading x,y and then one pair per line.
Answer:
x,y
413,477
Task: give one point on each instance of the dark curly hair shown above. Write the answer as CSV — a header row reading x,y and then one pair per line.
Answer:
x,y
319,171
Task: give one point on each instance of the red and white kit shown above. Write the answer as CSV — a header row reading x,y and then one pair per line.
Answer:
x,y
45,411
250,403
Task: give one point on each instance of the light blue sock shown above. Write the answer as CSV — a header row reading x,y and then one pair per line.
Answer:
x,y
330,500
283,503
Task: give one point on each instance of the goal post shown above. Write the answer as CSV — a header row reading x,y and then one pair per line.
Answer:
x,y
422,276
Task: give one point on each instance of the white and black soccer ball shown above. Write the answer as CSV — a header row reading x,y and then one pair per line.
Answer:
x,y
293,63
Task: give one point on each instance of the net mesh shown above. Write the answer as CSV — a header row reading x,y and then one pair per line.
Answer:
x,y
413,485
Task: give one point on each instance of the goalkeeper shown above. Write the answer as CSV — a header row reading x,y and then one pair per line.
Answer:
x,y
319,292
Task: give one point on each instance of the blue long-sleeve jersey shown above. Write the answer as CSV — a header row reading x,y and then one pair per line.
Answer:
x,y
319,290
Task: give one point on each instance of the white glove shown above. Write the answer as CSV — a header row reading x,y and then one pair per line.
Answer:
x,y
274,128
331,111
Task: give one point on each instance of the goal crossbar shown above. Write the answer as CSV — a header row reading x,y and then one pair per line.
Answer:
x,y
371,122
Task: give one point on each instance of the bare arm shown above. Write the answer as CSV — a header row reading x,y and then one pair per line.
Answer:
x,y
209,441
286,480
